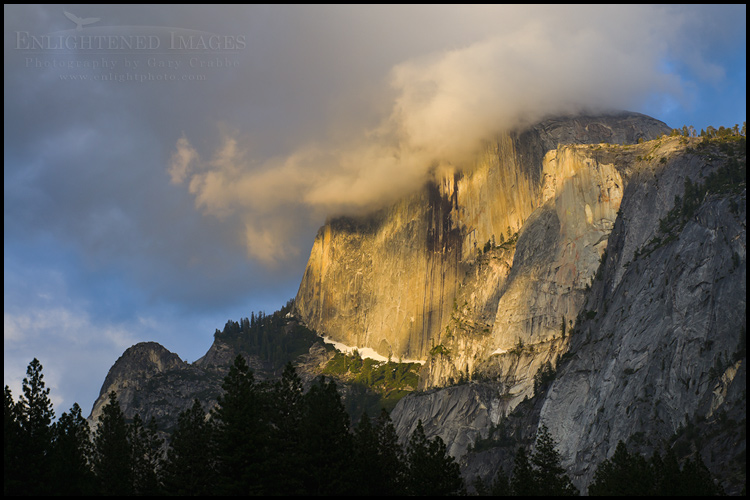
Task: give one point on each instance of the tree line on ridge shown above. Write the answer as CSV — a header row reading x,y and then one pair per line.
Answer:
x,y
271,437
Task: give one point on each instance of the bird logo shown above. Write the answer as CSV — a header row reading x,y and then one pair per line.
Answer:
x,y
79,21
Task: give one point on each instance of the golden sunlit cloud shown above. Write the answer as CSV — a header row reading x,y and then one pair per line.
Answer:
x,y
446,103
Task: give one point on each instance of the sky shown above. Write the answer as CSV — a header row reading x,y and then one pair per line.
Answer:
x,y
166,168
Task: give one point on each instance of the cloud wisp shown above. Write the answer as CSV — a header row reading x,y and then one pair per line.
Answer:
x,y
443,105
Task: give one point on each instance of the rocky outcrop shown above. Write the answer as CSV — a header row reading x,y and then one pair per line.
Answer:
x,y
151,381
458,414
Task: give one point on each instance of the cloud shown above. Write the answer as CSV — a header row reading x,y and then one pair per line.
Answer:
x,y
329,110
179,165
442,105
222,185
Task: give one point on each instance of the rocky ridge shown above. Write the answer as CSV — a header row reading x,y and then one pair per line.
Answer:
x,y
153,382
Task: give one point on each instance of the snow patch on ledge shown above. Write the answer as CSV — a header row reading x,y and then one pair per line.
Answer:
x,y
364,352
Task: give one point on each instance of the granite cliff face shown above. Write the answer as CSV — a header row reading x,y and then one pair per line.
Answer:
x,y
561,253
444,275
663,345
657,345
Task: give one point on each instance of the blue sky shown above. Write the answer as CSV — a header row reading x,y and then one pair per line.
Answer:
x,y
166,168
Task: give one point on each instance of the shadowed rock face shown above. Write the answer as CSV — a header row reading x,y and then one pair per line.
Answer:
x,y
394,281
153,382
132,371
662,344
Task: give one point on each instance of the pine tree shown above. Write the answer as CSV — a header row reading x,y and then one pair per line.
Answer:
x,y
631,475
190,465
34,412
551,478
71,452
326,441
146,456
622,475
239,432
12,448
666,473
378,457
418,463
284,459
523,481
500,486
670,479
431,471
417,451
368,471
112,451
390,456
480,488
697,479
